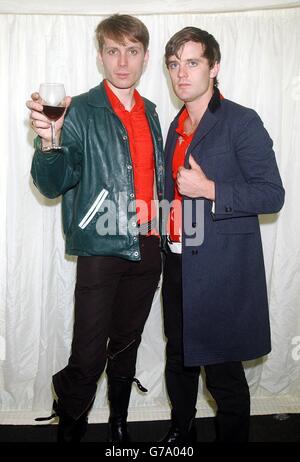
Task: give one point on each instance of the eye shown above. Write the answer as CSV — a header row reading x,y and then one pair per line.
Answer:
x,y
193,63
133,52
112,52
172,66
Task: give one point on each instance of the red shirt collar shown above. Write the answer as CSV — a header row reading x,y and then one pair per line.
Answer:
x,y
180,127
182,118
116,103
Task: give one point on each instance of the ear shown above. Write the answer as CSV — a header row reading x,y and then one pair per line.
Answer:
x,y
100,57
146,58
214,70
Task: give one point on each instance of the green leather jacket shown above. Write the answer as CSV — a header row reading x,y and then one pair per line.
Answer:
x,y
94,174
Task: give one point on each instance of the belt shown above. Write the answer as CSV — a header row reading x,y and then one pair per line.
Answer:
x,y
175,247
145,228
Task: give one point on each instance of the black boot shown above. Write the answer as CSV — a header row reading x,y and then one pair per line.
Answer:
x,y
119,389
69,430
180,435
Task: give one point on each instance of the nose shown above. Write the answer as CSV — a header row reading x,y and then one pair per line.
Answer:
x,y
182,70
123,60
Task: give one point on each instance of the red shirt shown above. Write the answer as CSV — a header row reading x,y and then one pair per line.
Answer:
x,y
182,145
181,148
141,150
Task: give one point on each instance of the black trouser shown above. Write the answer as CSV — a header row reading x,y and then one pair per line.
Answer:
x,y
113,297
226,382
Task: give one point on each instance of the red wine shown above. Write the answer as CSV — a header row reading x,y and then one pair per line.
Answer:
x,y
53,112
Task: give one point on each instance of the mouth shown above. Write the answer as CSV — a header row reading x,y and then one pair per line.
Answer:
x,y
122,75
183,85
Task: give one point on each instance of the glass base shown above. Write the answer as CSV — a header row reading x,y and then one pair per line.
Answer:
x,y
51,148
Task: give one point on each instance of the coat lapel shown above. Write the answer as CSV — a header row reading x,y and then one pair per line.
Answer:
x,y
208,122
169,151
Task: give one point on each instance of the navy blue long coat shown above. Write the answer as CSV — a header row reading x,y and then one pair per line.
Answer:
x,y
225,305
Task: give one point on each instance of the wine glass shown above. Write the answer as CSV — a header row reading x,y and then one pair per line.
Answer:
x,y
53,100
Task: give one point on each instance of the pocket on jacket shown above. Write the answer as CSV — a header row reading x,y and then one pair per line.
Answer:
x,y
240,225
216,150
93,209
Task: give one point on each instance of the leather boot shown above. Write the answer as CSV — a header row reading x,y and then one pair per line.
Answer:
x,y
69,430
119,389
176,434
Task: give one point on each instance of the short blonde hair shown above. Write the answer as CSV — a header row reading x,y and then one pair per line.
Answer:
x,y
120,26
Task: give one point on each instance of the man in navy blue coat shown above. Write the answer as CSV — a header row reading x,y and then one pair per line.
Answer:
x,y
221,173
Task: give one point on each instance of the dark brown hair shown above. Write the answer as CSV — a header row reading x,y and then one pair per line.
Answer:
x,y
120,26
194,34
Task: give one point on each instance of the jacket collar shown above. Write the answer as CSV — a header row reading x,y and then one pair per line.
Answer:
x,y
209,118
97,97
215,101
213,105
208,121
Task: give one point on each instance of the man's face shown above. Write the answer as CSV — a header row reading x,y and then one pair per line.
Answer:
x,y
123,64
191,76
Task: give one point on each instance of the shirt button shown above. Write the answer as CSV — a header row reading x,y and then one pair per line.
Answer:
x,y
134,224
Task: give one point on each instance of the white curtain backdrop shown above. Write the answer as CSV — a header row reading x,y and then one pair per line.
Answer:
x,y
107,7
260,68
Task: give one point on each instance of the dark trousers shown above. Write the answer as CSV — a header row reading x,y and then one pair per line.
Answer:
x,y
113,298
226,382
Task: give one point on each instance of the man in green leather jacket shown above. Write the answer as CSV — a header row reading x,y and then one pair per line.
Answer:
x,y
109,173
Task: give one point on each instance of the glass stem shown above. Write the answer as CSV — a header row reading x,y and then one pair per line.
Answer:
x,y
53,140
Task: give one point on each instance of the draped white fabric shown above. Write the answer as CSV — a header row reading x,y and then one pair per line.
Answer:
x,y
138,6
260,69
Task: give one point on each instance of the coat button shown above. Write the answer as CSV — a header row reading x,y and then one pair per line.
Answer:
x,y
129,167
194,225
228,209
194,252
125,138
135,254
